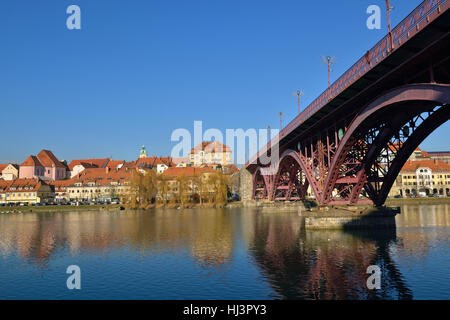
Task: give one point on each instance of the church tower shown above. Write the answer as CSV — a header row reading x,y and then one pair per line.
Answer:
x,y
143,152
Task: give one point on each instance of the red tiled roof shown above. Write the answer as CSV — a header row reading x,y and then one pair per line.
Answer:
x,y
3,185
210,146
32,161
92,163
3,166
48,159
114,163
21,184
101,176
434,165
59,184
151,162
187,171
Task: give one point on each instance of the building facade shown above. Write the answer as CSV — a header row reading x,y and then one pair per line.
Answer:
x,y
422,178
211,152
27,191
9,172
94,184
44,166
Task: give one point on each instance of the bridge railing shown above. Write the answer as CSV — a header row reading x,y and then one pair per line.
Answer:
x,y
406,29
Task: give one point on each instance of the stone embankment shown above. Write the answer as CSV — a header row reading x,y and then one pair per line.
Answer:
x,y
332,217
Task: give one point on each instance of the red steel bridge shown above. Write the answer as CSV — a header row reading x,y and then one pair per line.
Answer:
x,y
350,143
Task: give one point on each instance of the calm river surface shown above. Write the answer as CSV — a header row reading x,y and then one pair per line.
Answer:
x,y
220,254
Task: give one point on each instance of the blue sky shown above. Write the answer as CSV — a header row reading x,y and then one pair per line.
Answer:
x,y
139,69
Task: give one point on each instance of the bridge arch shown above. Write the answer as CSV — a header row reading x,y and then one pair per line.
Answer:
x,y
260,190
291,180
379,140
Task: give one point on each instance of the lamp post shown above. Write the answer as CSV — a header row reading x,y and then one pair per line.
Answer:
x,y
281,120
388,19
329,61
299,94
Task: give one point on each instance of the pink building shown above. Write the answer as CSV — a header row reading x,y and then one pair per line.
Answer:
x,y
31,168
45,166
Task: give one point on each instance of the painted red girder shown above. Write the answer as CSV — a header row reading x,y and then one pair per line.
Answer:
x,y
370,154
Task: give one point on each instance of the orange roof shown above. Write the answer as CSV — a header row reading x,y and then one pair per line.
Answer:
x,y
187,171
59,184
114,163
48,159
210,146
22,185
32,161
101,176
3,185
91,163
434,165
3,166
151,162
425,154
129,164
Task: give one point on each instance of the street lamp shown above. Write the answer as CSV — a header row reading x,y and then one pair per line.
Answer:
x,y
281,120
299,94
329,61
388,19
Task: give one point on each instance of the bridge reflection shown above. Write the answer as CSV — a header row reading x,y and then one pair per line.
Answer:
x,y
296,264
303,264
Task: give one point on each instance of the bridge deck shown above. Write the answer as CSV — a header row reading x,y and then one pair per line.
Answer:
x,y
421,28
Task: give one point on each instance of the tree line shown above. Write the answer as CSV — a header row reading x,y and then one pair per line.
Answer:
x,y
149,188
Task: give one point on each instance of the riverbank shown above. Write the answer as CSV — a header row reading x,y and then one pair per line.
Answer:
x,y
401,201
111,207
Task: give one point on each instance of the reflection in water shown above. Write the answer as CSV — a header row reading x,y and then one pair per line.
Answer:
x,y
269,255
35,236
324,264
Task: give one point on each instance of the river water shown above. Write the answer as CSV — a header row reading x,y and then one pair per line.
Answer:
x,y
220,254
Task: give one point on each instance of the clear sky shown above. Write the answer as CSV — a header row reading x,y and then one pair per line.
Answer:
x,y
138,69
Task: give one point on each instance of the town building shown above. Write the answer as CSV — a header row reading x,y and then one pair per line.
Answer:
x,y
210,152
44,166
31,168
159,164
192,176
440,155
94,184
422,178
77,166
115,164
27,191
9,171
